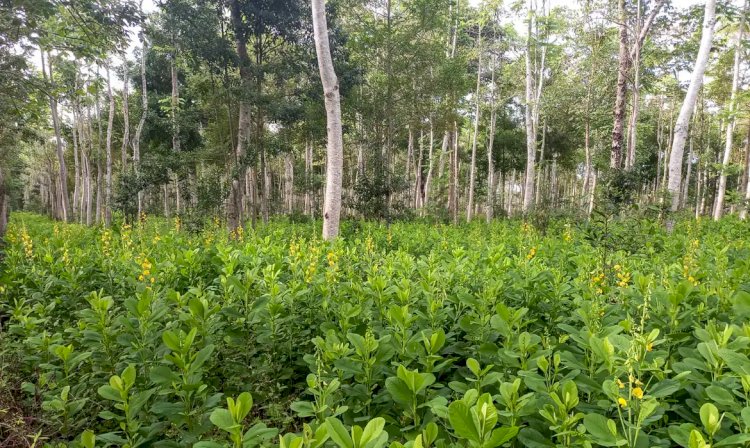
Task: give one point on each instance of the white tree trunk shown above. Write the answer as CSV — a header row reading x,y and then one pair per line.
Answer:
x,y
141,121
335,150
683,120
722,188
473,167
125,116
64,202
528,190
108,180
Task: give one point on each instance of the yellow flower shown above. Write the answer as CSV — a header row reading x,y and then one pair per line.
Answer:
x,y
638,393
620,384
623,402
617,267
649,347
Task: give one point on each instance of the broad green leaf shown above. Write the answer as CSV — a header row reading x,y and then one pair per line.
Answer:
x,y
500,436
223,419
338,433
602,430
710,418
372,431
462,422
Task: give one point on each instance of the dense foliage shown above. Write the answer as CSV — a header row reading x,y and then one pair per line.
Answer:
x,y
473,336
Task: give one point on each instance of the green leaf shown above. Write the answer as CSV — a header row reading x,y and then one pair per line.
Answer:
x,y
171,340
462,422
128,376
110,393
372,431
696,440
338,433
399,391
721,396
500,436
681,433
201,357
602,430
244,405
473,365
88,439
710,418
223,419
733,440
531,438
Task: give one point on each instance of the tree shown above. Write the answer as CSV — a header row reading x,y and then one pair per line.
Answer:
x,y
686,111
528,191
731,109
335,151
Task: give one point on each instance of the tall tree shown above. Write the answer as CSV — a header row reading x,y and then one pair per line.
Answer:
x,y
731,110
335,151
475,134
622,86
686,111
528,191
63,173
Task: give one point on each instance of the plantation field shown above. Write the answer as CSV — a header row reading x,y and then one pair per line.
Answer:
x,y
417,335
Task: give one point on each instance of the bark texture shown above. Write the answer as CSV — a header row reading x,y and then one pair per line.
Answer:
x,y
686,111
335,150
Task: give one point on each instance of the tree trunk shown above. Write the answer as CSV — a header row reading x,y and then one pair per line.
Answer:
x,y
454,171
141,122
722,188
475,137
418,177
490,147
3,205
528,191
125,117
431,163
108,181
289,182
89,190
683,120
686,187
335,149
633,122
746,184
64,201
620,100
76,163
175,105
234,207
99,176
308,178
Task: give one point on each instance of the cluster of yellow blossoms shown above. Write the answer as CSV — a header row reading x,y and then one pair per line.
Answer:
x,y
688,262
597,282
238,234
636,392
312,266
568,234
28,244
531,254
369,245
332,259
623,277
106,242
145,270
